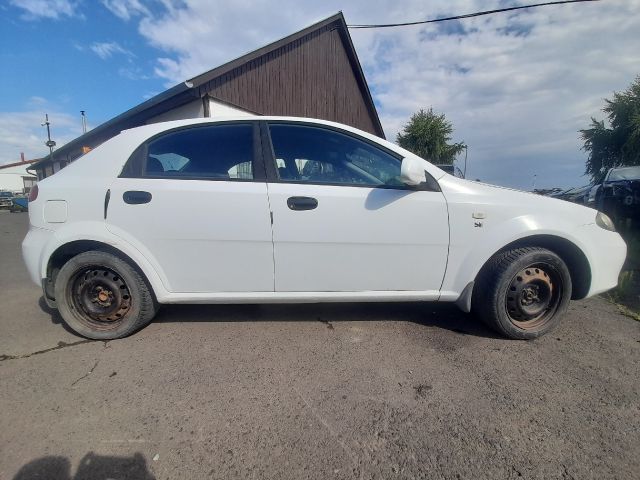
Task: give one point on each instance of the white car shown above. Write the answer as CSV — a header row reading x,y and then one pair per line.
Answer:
x,y
276,209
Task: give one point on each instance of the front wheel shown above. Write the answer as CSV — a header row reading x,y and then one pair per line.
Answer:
x,y
522,293
100,296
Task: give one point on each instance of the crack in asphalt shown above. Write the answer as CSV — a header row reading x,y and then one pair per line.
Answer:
x,y
327,323
88,373
60,346
325,423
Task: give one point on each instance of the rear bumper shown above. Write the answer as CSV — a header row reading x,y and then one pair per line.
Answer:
x,y
33,247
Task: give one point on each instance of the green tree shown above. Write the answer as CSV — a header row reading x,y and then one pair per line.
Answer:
x,y
428,135
618,143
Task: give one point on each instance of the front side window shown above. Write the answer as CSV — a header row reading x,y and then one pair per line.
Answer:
x,y
318,155
223,152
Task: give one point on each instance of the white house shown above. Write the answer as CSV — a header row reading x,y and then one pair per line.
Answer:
x,y
15,178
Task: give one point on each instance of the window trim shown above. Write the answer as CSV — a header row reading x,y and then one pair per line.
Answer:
x,y
269,156
136,166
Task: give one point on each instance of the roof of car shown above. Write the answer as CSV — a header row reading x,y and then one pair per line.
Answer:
x,y
163,126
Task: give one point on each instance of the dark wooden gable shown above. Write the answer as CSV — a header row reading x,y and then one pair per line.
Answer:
x,y
314,73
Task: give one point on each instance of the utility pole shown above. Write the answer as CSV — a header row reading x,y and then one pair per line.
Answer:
x,y
49,143
84,121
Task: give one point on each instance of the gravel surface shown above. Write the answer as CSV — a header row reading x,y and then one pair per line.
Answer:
x,y
375,391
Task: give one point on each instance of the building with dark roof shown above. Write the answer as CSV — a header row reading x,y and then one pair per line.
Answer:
x,y
312,73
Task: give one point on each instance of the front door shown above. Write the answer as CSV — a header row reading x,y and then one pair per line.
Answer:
x,y
342,220
192,201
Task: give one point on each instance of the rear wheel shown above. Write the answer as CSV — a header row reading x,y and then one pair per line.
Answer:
x,y
522,293
101,296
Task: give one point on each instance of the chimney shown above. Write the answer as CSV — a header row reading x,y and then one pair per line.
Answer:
x,y
22,159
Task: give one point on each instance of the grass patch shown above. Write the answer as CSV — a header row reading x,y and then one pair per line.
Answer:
x,y
628,312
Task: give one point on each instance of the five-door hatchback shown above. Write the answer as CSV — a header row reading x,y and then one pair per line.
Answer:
x,y
272,209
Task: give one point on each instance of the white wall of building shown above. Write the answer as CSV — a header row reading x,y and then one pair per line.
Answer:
x,y
218,109
11,178
193,109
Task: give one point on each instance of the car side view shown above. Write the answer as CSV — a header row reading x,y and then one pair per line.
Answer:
x,y
276,209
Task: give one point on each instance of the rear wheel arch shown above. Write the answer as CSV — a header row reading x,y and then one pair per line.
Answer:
x,y
67,251
569,252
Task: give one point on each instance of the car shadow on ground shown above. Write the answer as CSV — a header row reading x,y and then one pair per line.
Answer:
x,y
444,316
91,467
441,315
55,316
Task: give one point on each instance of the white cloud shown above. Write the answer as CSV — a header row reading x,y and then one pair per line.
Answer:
x,y
517,86
125,9
520,98
107,49
53,9
36,101
133,73
23,132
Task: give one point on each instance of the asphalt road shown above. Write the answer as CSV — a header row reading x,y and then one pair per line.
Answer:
x,y
305,391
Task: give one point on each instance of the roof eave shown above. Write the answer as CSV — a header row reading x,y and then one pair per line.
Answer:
x,y
175,91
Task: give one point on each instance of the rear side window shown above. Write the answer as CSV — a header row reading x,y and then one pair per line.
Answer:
x,y
222,152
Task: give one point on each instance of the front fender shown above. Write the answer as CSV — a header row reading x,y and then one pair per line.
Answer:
x,y
466,258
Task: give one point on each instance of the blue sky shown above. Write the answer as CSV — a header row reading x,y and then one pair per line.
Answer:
x,y
58,60
517,86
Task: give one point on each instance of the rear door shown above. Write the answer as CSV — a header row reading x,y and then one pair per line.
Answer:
x,y
194,201
342,220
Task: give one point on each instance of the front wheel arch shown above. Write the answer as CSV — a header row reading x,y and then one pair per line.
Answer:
x,y
569,252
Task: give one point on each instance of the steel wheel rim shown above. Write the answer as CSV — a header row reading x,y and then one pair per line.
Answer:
x,y
533,296
100,296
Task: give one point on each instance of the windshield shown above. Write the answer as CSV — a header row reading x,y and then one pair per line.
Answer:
x,y
5,194
626,173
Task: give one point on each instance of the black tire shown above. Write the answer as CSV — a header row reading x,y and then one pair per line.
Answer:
x,y
522,293
100,296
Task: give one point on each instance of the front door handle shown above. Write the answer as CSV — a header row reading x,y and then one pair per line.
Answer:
x,y
136,197
302,203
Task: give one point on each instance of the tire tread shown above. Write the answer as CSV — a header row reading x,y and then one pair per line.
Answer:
x,y
485,299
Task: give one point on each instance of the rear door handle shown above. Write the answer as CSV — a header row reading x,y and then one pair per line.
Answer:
x,y
136,197
302,203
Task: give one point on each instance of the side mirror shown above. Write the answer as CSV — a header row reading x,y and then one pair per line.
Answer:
x,y
412,171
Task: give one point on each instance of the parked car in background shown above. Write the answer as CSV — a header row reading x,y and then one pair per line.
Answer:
x,y
618,195
577,195
6,200
275,209
19,204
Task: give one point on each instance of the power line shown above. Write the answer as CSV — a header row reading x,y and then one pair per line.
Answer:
x,y
468,15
